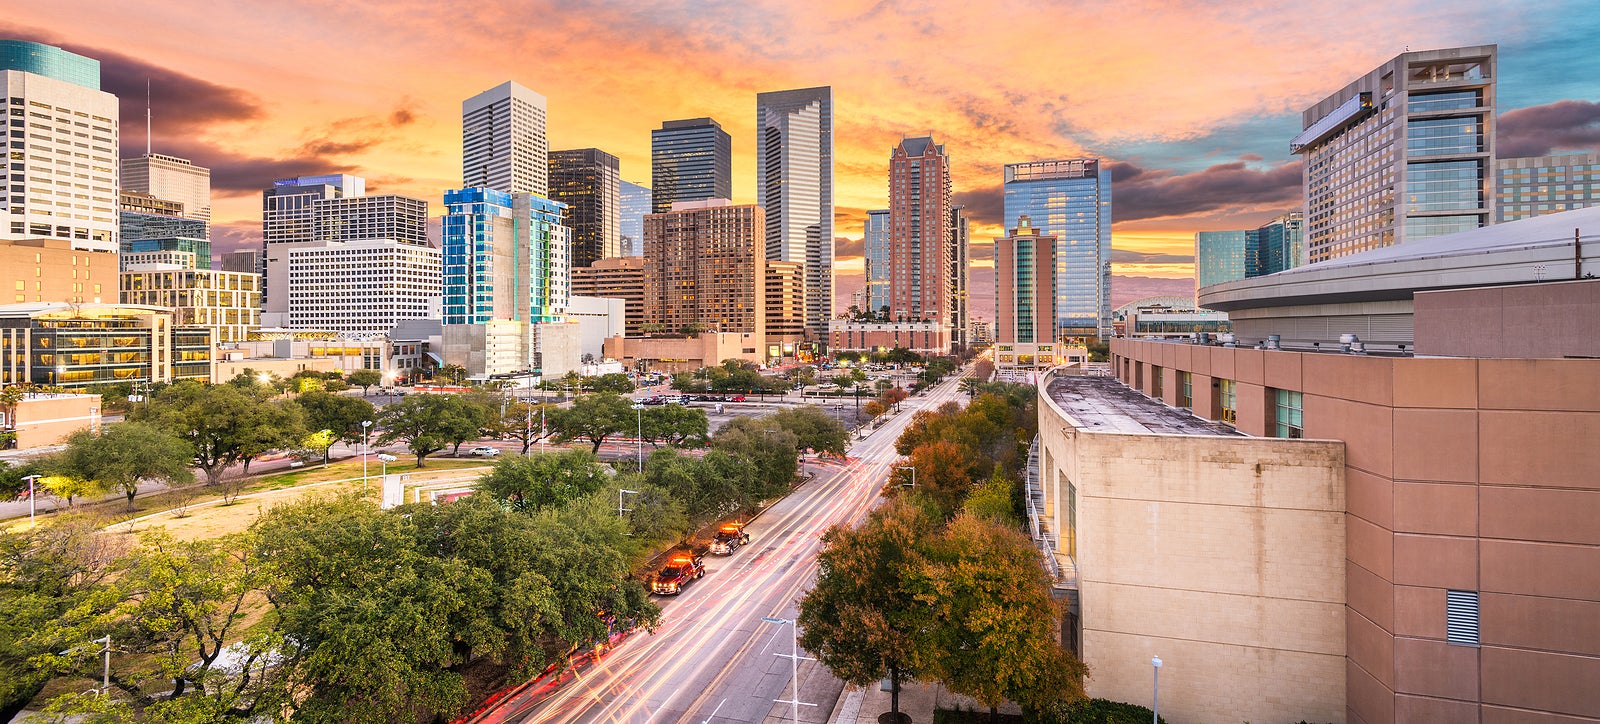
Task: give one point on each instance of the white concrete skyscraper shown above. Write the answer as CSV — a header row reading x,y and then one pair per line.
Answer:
x,y
794,167
172,179
503,142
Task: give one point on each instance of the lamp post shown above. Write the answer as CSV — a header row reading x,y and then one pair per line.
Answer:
x,y
366,444
638,413
1155,710
105,677
386,458
794,665
913,470
31,496
621,492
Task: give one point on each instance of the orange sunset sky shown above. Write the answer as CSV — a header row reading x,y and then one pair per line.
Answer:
x,y
1192,103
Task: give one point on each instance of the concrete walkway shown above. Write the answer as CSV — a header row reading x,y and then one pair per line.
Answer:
x,y
917,700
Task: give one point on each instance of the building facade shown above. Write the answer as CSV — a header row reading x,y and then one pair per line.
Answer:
x,y
1024,288
228,303
1070,200
63,146
1225,256
382,216
503,141
588,181
635,203
288,209
690,160
1168,317
173,179
785,309
794,170
919,232
55,270
875,252
250,260
704,268
619,278
1405,152
81,345
1219,256
960,274
930,337
353,287
1528,187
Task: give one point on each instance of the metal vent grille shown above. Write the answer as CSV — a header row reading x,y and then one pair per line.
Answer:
x,y
1461,617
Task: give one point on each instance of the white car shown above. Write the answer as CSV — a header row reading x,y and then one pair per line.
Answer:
x,y
484,451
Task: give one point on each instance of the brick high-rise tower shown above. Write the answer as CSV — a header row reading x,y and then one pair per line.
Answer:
x,y
920,248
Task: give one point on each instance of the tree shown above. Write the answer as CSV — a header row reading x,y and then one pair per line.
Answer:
x,y
994,500
612,382
943,474
337,413
862,619
225,424
364,379
526,422
68,487
544,480
594,418
675,425
453,373
423,422
475,414
813,429
13,477
319,443
123,454
761,441
874,408
993,620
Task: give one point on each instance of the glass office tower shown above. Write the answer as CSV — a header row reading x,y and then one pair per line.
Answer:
x,y
1070,200
635,204
588,182
875,248
690,160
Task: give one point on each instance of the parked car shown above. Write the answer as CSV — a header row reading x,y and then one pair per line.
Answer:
x,y
484,451
736,398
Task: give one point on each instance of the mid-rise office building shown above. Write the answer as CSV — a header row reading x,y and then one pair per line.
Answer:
x,y
1529,187
1223,256
76,345
1404,152
335,208
357,287
150,224
167,259
704,268
786,308
62,146
503,141
635,203
619,278
197,252
920,243
172,179
875,253
228,303
1280,243
690,160
288,209
794,179
1024,285
1071,200
248,261
54,270
588,181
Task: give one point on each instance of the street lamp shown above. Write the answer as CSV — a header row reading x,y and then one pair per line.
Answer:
x,y
638,413
1155,710
621,492
913,470
31,496
794,665
366,444
386,458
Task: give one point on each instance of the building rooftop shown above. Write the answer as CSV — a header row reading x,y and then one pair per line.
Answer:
x,y
1103,404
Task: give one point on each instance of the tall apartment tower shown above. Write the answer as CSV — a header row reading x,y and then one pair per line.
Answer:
x,y
1070,200
1529,187
588,181
173,179
794,167
635,203
503,142
961,242
63,128
1405,152
1024,285
690,160
875,249
704,267
919,231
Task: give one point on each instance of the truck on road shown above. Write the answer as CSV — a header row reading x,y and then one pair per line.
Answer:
x,y
728,539
680,571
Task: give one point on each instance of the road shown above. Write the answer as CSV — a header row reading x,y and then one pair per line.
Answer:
x,y
713,659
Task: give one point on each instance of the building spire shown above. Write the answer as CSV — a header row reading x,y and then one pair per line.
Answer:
x,y
147,117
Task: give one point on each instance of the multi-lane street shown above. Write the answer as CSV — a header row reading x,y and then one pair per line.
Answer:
x,y
714,659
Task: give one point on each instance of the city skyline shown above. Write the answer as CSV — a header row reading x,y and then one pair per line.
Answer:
x,y
1207,153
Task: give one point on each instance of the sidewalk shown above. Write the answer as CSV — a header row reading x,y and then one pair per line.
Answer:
x,y
917,700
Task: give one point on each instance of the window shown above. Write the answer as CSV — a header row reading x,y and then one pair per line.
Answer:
x,y
1230,414
1186,390
1461,617
1155,381
1288,414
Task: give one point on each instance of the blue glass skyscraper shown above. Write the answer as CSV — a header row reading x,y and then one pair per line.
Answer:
x,y
505,258
50,62
1070,200
875,247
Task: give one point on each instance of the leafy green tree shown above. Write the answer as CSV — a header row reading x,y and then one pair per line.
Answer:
x,y
772,449
863,619
994,500
943,474
453,374
423,422
338,413
364,379
612,382
318,443
474,415
68,487
544,480
813,429
675,425
225,424
13,477
993,618
594,418
123,454
654,516
526,422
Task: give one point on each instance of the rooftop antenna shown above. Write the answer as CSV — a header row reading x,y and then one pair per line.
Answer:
x,y
147,117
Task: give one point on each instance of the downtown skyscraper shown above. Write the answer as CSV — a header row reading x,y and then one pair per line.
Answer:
x,y
794,180
921,251
588,181
503,142
875,250
1070,200
690,160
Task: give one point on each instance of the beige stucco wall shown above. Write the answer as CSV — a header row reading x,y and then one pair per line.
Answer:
x,y
1222,555
47,419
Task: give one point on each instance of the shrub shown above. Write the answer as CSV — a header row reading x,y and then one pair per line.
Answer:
x,y
1093,711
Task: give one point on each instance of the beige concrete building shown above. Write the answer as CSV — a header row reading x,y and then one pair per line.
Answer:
x,y
786,308
618,278
51,270
42,419
1184,539
705,268
676,353
227,302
